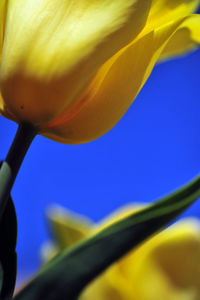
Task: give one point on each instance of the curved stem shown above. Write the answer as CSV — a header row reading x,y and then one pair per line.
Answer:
x,y
10,168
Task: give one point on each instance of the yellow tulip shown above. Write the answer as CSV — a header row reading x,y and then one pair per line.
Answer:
x,y
73,68
166,267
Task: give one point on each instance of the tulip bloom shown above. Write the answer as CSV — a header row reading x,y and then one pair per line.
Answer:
x,y
73,68
166,266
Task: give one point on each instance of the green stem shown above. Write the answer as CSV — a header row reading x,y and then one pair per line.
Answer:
x,y
10,168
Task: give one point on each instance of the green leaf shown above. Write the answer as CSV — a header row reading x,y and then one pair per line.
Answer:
x,y
8,258
67,274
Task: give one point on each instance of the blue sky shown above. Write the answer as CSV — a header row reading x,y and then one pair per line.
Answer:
x,y
154,149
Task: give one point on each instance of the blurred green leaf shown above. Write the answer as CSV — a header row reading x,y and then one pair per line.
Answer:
x,y
8,258
67,274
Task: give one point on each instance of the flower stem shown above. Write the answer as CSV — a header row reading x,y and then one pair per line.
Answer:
x,y
9,170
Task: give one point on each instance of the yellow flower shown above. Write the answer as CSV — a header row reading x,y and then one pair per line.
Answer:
x,y
166,267
73,68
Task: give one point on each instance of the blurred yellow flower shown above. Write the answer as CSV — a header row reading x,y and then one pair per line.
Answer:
x,y
73,68
166,267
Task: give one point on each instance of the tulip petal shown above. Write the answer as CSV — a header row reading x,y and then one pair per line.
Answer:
x,y
169,262
100,289
3,11
115,86
67,227
52,48
177,254
183,41
165,11
1,104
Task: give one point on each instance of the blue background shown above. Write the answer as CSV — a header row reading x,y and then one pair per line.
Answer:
x,y
154,149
